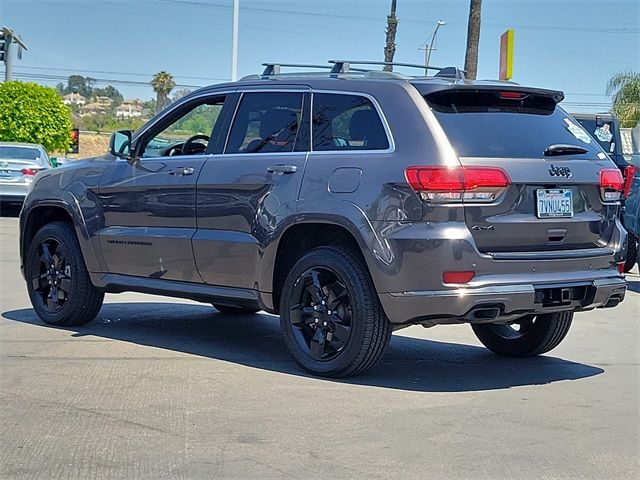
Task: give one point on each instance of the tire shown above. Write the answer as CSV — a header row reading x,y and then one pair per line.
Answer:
x,y
537,334
348,333
235,310
58,283
632,252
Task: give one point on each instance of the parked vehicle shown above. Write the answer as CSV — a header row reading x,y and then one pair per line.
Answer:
x,y
631,216
605,129
352,203
19,163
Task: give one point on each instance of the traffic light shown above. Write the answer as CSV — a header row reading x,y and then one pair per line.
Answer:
x,y
75,141
3,45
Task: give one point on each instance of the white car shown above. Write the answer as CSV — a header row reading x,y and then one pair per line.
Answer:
x,y
19,163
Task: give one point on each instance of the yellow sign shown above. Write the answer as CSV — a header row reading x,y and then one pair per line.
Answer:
x,y
506,55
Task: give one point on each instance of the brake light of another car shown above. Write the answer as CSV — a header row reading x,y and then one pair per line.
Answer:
x,y
611,184
29,172
456,184
629,172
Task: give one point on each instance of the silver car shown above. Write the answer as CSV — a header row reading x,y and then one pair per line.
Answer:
x,y
19,164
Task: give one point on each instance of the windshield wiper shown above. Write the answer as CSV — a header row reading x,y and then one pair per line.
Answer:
x,y
563,149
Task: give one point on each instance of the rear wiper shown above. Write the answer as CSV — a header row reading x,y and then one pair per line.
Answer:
x,y
563,149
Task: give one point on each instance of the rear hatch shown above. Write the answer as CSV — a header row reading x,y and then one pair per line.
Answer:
x,y
552,194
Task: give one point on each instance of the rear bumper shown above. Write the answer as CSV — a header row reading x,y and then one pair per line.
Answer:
x,y
494,303
13,192
12,198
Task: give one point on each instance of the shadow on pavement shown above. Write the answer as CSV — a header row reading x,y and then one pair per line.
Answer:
x,y
254,340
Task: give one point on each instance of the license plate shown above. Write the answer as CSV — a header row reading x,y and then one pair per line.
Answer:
x,y
554,203
5,174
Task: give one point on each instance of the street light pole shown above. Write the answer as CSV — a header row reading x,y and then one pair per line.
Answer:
x,y
9,37
429,46
234,40
8,56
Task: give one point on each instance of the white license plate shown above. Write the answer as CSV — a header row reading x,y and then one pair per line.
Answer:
x,y
5,174
554,203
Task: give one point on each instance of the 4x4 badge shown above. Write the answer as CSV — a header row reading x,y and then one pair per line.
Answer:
x,y
559,171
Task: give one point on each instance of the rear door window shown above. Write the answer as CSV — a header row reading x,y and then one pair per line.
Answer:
x,y
482,124
266,122
346,122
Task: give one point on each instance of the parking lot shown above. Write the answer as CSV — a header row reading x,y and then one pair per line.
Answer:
x,y
165,388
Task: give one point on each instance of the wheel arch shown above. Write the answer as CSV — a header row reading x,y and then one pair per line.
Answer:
x,y
303,236
40,213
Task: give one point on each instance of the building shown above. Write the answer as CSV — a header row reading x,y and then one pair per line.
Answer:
x,y
74,99
130,109
92,109
104,101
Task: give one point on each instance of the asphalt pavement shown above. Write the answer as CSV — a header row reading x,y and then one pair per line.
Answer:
x,y
160,388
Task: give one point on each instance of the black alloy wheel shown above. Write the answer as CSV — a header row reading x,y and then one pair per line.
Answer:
x,y
330,314
53,281
321,316
528,336
58,283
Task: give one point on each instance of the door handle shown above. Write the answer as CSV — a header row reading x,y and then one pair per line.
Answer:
x,y
282,169
180,171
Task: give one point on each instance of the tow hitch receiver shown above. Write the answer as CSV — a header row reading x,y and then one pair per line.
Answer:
x,y
552,296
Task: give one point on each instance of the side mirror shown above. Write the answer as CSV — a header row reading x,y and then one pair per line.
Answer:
x,y
120,143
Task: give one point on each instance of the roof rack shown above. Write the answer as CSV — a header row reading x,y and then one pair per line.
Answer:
x,y
275,68
342,67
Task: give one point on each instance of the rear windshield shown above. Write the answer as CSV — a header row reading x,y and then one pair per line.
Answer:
x,y
19,153
482,124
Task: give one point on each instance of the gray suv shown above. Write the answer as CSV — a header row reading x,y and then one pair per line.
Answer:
x,y
350,202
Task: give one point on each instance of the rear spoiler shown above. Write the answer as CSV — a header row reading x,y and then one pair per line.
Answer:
x,y
426,89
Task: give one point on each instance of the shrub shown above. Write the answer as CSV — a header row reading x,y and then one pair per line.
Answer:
x,y
35,114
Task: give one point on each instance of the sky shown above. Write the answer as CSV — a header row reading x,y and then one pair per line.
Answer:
x,y
569,45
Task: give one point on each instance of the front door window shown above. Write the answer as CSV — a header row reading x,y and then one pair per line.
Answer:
x,y
187,133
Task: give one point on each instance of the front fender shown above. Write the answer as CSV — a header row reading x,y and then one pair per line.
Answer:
x,y
72,191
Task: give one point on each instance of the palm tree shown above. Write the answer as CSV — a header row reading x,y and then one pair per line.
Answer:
x,y
473,38
162,84
625,88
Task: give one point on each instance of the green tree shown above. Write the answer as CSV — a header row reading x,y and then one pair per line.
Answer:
x,y
79,84
162,84
625,88
33,113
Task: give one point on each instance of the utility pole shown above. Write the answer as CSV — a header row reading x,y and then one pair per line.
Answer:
x,y
7,38
390,47
473,39
234,40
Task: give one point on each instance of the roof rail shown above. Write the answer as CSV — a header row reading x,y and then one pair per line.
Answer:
x,y
341,67
274,68
344,66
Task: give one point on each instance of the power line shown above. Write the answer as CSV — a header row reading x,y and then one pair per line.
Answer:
x,y
105,81
601,29
79,71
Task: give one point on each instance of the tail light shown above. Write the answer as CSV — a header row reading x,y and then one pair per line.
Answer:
x,y
455,184
629,172
620,266
29,172
611,184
